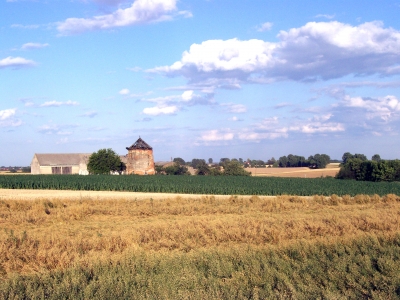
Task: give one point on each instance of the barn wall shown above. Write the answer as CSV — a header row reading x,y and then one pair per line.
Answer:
x,y
140,162
45,170
35,167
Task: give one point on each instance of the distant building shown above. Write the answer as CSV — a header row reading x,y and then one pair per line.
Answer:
x,y
139,160
60,163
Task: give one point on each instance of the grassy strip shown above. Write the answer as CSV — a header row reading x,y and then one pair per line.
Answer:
x,y
214,185
366,267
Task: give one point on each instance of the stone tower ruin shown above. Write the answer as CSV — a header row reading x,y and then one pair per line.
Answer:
x,y
139,159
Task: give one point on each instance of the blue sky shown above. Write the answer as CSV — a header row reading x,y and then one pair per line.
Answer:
x,y
199,79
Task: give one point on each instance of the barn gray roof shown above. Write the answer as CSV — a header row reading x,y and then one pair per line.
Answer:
x,y
53,159
139,144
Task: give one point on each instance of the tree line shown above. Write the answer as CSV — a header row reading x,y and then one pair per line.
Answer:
x,y
358,167
226,167
105,161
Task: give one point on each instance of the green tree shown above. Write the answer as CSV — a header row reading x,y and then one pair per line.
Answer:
x,y
234,168
176,169
283,161
216,171
179,160
360,156
346,156
197,162
159,169
318,161
223,161
203,169
210,160
104,161
376,157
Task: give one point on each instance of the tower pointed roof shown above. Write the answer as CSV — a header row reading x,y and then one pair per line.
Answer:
x,y
140,144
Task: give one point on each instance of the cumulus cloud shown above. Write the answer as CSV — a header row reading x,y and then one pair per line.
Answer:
x,y
315,51
16,62
7,113
59,103
140,12
384,108
32,46
7,118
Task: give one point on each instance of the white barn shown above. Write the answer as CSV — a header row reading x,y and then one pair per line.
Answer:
x,y
60,163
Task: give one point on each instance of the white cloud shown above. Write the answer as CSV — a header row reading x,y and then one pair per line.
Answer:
x,y
16,62
124,92
7,118
56,129
282,105
90,114
216,135
381,107
223,56
318,127
234,108
187,95
140,12
317,50
157,110
32,46
265,27
7,113
171,104
59,103
234,119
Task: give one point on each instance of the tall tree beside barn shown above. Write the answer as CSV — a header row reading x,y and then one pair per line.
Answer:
x,y
104,161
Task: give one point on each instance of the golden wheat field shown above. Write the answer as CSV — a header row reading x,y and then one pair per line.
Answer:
x,y
303,172
53,232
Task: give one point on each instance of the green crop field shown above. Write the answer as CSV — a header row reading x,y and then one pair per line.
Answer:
x,y
217,185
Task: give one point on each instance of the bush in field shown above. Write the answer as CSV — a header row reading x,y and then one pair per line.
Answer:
x,y
104,161
234,168
176,169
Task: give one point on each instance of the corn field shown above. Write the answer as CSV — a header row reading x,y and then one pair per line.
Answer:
x,y
223,185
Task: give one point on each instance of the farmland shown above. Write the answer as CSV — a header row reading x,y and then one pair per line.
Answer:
x,y
301,172
87,246
211,185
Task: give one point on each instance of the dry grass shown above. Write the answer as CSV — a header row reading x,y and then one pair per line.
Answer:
x,y
55,233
